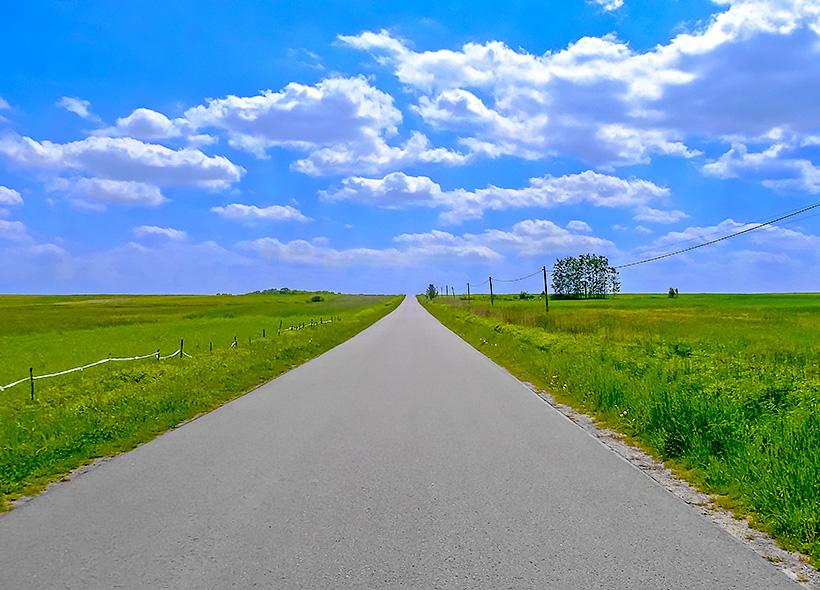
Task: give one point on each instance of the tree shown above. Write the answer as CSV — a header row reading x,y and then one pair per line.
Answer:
x,y
589,275
431,291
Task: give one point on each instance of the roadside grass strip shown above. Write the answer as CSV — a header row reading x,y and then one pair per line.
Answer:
x,y
724,389
105,409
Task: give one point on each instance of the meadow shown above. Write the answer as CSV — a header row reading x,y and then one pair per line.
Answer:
x,y
235,343
724,388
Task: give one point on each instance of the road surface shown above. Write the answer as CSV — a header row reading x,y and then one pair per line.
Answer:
x,y
401,459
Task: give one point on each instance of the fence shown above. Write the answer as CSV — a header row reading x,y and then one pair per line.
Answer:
x,y
32,377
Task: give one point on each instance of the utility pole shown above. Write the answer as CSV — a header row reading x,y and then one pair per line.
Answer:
x,y
468,292
491,291
546,293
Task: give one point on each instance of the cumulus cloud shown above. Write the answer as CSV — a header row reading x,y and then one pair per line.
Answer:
x,y
122,170
752,67
13,230
337,110
645,213
581,226
772,236
607,5
252,214
124,159
167,232
97,192
318,253
10,196
342,123
777,166
525,239
78,107
532,237
149,125
398,190
370,157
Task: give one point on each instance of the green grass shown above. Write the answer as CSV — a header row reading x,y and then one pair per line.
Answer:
x,y
114,407
724,388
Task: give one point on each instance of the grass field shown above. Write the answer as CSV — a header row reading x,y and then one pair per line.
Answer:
x,y
724,388
113,407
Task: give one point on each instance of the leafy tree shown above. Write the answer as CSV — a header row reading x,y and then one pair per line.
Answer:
x,y
431,291
589,275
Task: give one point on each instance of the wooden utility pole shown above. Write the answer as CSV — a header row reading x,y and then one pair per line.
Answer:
x,y
468,291
546,293
491,291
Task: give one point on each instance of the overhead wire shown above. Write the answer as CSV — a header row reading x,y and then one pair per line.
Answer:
x,y
761,224
732,235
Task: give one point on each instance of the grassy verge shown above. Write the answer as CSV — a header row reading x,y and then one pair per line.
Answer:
x,y
112,408
725,389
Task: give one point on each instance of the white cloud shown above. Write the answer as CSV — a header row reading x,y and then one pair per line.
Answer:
x,y
4,104
657,216
752,67
772,236
94,193
124,170
370,157
608,5
9,196
526,239
342,123
776,166
13,230
48,249
337,110
532,237
152,230
396,190
124,159
399,190
318,253
252,214
147,124
581,226
78,107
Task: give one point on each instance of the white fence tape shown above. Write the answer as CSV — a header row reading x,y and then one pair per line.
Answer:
x,y
132,358
137,358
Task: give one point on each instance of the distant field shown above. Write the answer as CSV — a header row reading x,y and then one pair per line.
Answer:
x,y
726,388
113,407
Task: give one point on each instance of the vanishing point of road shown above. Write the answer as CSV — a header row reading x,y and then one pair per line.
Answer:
x,y
401,459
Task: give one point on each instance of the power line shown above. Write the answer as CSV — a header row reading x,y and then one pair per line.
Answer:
x,y
747,230
763,221
676,252
519,279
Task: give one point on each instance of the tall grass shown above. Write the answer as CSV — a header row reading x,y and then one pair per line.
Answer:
x,y
725,388
112,408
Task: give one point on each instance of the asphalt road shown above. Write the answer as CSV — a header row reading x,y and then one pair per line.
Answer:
x,y
401,459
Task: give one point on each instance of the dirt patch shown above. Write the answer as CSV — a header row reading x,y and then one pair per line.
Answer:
x,y
793,565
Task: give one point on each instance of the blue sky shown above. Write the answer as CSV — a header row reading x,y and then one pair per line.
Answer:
x,y
202,147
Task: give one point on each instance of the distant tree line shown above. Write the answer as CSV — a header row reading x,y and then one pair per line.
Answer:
x,y
588,276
